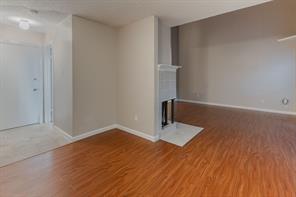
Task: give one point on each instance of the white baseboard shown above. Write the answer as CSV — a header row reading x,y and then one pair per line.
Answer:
x,y
86,134
66,135
94,132
137,133
238,107
98,131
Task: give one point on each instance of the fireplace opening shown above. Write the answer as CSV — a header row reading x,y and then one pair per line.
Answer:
x,y
168,112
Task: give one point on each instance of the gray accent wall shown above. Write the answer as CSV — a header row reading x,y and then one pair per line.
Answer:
x,y
235,58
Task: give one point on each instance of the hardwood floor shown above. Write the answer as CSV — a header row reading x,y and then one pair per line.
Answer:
x,y
239,153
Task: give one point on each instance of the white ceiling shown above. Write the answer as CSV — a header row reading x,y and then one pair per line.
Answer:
x,y
40,22
122,12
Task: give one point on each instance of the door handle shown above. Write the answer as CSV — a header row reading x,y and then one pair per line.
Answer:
x,y
35,89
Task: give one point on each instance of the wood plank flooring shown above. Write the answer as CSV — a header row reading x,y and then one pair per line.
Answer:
x,y
239,153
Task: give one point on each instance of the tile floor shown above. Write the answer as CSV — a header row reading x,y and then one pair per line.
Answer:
x,y
24,142
179,133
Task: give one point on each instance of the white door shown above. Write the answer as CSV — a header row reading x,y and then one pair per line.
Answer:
x,y
20,85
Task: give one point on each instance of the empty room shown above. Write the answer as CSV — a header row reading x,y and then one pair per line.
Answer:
x,y
148,98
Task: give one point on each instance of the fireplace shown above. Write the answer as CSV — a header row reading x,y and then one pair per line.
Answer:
x,y
167,93
168,129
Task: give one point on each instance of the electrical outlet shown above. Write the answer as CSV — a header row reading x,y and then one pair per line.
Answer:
x,y
136,117
285,101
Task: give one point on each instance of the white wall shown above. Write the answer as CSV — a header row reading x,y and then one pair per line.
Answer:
x,y
61,41
164,44
136,75
94,75
106,76
15,35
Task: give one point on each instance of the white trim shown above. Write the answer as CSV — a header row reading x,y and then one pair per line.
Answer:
x,y
167,67
47,84
41,87
102,130
137,133
66,135
290,38
86,134
239,107
94,132
24,44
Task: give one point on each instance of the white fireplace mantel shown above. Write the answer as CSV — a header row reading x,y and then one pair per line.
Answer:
x,y
167,67
289,41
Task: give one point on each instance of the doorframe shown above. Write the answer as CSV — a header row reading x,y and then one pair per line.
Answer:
x,y
48,85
